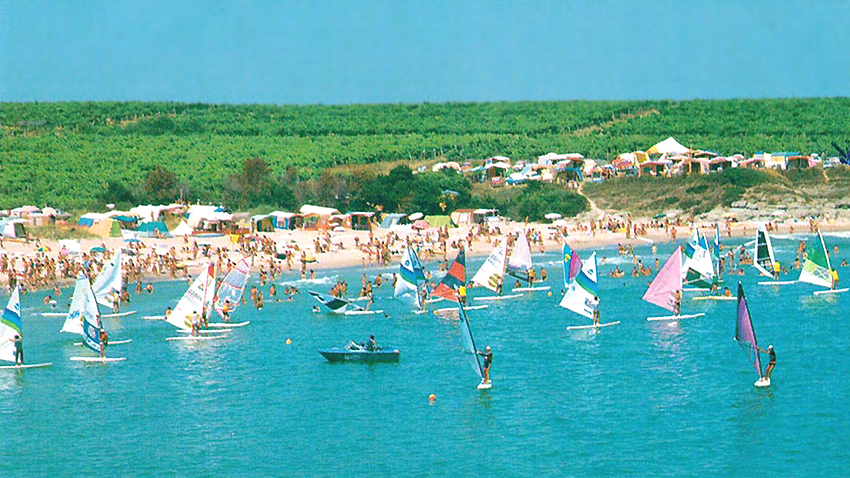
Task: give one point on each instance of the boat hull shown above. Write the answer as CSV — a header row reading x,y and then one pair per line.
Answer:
x,y
342,355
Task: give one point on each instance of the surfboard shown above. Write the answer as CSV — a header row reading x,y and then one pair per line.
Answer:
x,y
363,312
676,317
529,289
153,317
715,297
193,338
118,314
777,282
54,314
497,297
97,359
116,342
205,331
449,310
224,325
485,386
694,289
434,299
21,367
830,291
597,326
762,382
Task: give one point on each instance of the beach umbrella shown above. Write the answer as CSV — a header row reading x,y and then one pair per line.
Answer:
x,y
421,224
131,239
98,249
552,216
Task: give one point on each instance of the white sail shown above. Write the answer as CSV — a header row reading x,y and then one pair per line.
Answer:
x,y
519,262
492,273
74,320
10,326
763,258
411,275
232,287
109,283
90,319
196,299
582,294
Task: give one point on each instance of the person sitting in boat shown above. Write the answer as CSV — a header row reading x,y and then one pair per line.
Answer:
x,y
104,341
18,340
371,346
772,362
488,360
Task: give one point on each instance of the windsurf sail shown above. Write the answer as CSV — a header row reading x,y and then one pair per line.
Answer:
x,y
411,277
519,262
698,268
454,278
492,273
716,250
572,265
231,288
337,305
108,284
662,290
763,253
745,334
74,320
817,269
10,326
91,321
468,342
582,296
197,299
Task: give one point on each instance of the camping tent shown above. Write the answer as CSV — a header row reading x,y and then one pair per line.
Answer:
x,y
153,229
285,220
13,228
667,147
182,229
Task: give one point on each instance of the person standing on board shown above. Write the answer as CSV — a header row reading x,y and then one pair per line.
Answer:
x,y
488,360
594,305
18,340
776,270
677,302
462,294
772,362
104,341
834,275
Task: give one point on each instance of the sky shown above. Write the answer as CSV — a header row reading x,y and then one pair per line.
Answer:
x,y
411,51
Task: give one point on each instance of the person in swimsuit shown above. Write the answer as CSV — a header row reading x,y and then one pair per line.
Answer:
x,y
677,302
772,362
104,341
488,360
18,340
594,304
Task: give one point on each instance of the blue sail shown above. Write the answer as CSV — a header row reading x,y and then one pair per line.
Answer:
x,y
468,342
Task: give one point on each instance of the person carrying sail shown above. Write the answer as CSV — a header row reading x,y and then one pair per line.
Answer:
x,y
488,360
772,362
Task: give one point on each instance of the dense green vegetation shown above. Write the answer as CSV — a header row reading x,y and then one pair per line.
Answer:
x,y
83,155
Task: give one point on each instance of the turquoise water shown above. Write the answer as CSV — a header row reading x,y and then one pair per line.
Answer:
x,y
646,399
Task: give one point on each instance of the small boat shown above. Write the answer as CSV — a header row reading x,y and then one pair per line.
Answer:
x,y
355,353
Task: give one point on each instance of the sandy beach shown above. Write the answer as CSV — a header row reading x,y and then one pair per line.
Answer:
x,y
360,248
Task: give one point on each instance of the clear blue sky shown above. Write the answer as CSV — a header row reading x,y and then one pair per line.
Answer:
x,y
333,52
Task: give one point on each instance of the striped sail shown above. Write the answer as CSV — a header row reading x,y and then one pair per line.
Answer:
x,y
411,275
91,321
232,287
468,342
717,250
662,290
337,305
454,278
816,269
582,296
520,261
744,332
197,299
492,272
109,283
10,326
572,265
698,268
763,253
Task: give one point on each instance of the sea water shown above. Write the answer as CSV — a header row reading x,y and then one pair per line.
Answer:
x,y
642,398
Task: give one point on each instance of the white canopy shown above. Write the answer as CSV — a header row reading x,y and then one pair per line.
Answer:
x,y
182,229
668,146
321,211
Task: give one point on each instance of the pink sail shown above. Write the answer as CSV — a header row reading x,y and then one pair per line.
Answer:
x,y
662,290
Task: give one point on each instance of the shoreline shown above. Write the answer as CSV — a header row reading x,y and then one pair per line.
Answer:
x,y
348,255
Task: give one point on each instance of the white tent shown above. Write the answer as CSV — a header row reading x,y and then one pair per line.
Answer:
x,y
319,210
667,147
182,229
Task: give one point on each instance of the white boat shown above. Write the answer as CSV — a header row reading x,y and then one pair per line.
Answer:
x,y
230,291
411,277
582,295
745,335
663,289
817,269
11,325
469,349
84,309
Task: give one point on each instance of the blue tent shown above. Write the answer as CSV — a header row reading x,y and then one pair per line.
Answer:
x,y
151,229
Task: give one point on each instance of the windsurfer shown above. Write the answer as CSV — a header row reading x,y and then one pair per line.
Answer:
x,y
776,270
462,294
772,362
677,302
834,274
18,340
488,360
104,341
594,304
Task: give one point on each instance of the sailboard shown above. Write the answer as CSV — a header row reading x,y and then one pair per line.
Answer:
x,y
745,335
817,269
109,283
11,325
450,311
698,269
662,290
111,342
196,300
714,297
117,314
469,350
84,306
582,295
194,338
229,294
519,264
97,359
411,277
230,325
763,258
491,275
